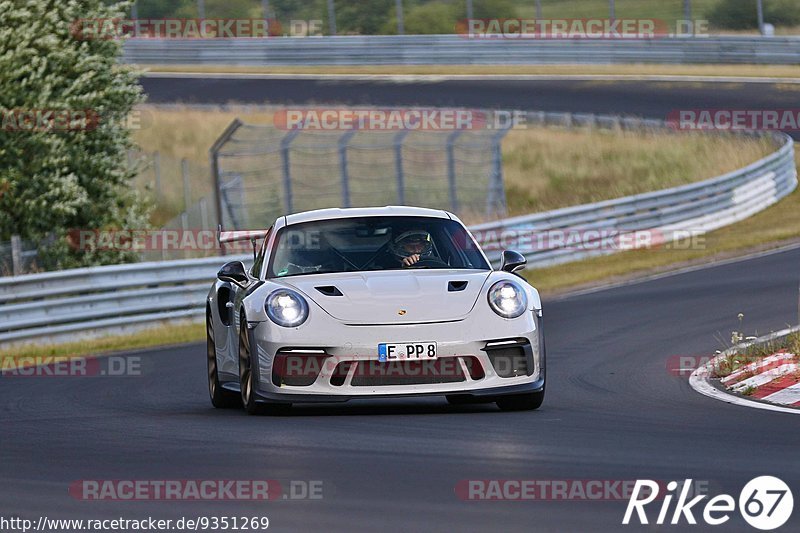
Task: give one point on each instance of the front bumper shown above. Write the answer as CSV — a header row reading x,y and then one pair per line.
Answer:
x,y
348,367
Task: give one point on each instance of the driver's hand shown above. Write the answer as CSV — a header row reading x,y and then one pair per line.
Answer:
x,y
410,260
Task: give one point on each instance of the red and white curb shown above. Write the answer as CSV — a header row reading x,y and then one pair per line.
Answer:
x,y
774,379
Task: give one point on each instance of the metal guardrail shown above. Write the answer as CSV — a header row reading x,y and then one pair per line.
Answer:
x,y
66,304
601,228
459,50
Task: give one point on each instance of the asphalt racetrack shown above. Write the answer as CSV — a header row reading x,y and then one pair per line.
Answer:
x,y
613,411
651,99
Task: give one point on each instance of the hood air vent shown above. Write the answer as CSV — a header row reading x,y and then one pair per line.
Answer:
x,y
456,286
329,290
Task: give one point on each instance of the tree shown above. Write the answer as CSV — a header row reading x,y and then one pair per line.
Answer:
x,y
741,14
59,176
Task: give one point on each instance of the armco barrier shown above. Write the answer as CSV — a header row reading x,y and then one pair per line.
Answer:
x,y
458,50
57,305
689,209
53,305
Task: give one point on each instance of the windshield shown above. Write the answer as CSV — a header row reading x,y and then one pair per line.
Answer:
x,y
373,243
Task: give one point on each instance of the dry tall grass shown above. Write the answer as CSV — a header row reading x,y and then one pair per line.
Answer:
x,y
547,168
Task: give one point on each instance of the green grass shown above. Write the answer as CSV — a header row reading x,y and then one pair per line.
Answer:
x,y
147,338
755,352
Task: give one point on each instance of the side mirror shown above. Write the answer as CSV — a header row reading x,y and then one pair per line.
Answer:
x,y
512,261
233,272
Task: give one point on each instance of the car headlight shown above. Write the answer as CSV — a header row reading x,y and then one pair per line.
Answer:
x,y
286,308
507,299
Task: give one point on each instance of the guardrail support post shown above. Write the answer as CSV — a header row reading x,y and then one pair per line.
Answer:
x,y
213,153
184,229
451,169
398,165
343,140
496,197
760,14
332,17
287,170
187,190
401,28
16,255
157,173
204,213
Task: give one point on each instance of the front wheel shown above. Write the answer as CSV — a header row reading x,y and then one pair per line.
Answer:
x,y
221,398
521,402
247,379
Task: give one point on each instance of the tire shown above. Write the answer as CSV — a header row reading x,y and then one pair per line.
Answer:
x,y
246,380
221,398
521,402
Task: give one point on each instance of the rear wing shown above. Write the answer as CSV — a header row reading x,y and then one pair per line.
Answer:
x,y
241,235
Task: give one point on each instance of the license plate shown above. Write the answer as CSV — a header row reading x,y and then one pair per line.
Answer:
x,y
407,351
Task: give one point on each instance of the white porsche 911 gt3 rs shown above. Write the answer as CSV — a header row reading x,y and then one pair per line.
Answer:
x,y
372,302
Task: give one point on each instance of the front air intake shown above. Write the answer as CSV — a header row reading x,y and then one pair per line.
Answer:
x,y
297,368
511,358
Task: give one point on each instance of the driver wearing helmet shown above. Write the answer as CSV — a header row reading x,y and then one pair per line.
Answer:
x,y
410,247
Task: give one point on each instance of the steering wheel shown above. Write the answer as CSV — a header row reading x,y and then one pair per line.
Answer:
x,y
429,262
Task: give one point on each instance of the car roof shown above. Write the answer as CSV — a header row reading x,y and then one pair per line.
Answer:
x,y
391,210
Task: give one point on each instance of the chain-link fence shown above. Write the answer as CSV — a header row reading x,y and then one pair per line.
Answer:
x,y
263,172
18,256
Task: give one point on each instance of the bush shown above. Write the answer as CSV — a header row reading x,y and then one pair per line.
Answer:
x,y
782,12
56,179
742,14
